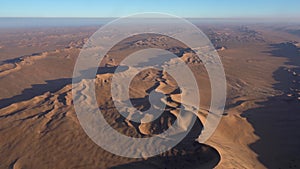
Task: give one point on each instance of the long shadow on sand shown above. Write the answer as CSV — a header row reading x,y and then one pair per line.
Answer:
x,y
53,86
277,120
36,90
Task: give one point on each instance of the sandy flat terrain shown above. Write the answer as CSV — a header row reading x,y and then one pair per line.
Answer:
x,y
39,127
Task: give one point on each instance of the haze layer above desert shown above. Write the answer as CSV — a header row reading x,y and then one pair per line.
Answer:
x,y
259,128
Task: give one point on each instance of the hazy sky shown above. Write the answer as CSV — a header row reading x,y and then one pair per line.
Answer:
x,y
182,8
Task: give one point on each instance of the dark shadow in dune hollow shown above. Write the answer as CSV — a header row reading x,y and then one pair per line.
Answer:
x,y
196,156
277,121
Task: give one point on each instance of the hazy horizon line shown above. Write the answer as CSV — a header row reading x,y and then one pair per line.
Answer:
x,y
63,17
12,22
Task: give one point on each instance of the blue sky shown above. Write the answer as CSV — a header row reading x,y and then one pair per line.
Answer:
x,y
183,8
